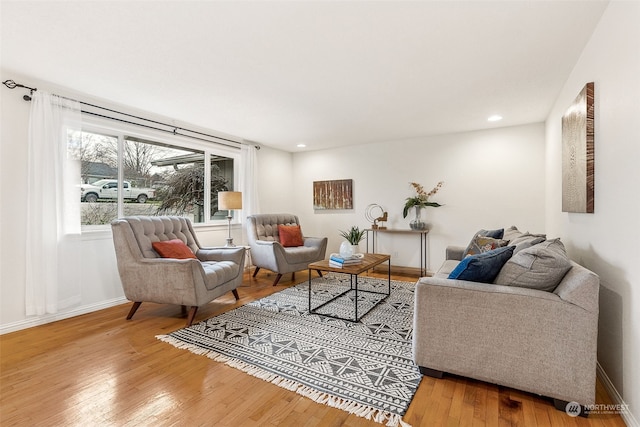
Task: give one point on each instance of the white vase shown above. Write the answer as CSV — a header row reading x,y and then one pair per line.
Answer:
x,y
346,250
356,249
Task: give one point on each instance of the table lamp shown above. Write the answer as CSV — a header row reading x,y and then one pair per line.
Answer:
x,y
229,200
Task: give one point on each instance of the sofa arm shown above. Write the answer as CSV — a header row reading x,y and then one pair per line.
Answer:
x,y
264,253
315,242
161,280
319,244
235,254
521,338
455,253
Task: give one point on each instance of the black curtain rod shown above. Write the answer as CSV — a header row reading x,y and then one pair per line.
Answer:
x,y
174,129
12,85
173,132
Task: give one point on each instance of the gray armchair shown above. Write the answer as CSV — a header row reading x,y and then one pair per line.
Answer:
x,y
187,282
267,252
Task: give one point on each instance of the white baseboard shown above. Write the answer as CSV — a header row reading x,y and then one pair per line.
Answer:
x,y
627,416
48,318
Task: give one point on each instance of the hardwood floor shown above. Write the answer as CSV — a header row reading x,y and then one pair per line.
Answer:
x,y
102,370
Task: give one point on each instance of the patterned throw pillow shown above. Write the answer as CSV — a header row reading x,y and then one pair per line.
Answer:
x,y
476,245
173,249
290,235
487,244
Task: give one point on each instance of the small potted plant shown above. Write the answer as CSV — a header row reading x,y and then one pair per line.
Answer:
x,y
354,236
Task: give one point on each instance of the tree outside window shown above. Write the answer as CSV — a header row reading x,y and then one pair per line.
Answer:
x,y
162,178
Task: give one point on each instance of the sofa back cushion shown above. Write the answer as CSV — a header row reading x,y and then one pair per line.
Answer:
x,y
541,267
522,240
265,226
511,233
149,229
525,241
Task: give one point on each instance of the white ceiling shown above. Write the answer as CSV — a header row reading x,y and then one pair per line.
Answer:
x,y
321,73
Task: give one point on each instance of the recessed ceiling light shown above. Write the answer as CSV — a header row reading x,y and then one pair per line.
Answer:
x,y
495,118
301,145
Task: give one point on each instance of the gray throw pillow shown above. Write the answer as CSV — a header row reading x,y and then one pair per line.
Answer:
x,y
541,267
525,241
511,233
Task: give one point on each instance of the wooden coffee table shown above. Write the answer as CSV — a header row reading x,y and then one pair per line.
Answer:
x,y
368,262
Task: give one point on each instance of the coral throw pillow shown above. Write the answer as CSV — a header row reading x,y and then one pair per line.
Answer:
x,y
173,249
290,235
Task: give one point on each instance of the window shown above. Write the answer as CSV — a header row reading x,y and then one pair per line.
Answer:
x,y
160,176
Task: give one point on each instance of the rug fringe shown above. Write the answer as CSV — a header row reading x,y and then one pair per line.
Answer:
x,y
350,406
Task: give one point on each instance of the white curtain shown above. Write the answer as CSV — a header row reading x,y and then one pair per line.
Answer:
x,y
249,181
53,255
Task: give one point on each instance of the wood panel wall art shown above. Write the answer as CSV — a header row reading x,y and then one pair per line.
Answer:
x,y
578,134
336,194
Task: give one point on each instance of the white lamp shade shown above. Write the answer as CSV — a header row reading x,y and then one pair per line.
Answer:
x,y
228,200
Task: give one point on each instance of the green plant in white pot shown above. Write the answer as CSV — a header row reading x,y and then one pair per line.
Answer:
x,y
354,236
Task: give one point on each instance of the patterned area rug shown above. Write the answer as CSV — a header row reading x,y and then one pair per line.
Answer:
x,y
364,368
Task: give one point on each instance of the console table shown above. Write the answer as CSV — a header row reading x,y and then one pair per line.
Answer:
x,y
423,242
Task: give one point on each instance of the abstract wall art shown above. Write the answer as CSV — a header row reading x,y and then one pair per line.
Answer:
x,y
337,194
578,134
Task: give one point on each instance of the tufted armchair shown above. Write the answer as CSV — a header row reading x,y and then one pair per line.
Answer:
x,y
267,251
187,282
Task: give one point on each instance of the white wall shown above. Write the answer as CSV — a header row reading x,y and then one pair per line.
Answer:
x,y
482,171
607,240
275,183
101,285
492,179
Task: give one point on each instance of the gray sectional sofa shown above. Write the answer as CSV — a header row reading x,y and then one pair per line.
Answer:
x,y
539,341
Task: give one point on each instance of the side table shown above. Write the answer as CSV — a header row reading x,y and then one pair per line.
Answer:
x,y
423,242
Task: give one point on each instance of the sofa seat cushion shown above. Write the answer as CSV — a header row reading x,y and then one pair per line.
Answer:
x,y
301,254
541,267
483,267
219,272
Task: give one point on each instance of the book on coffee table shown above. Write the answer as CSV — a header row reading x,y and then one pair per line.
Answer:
x,y
336,260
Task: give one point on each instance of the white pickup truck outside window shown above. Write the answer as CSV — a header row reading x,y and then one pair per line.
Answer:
x,y
150,166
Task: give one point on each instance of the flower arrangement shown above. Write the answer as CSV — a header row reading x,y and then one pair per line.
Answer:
x,y
421,199
354,235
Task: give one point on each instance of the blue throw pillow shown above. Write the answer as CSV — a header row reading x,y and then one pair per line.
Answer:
x,y
482,267
496,234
